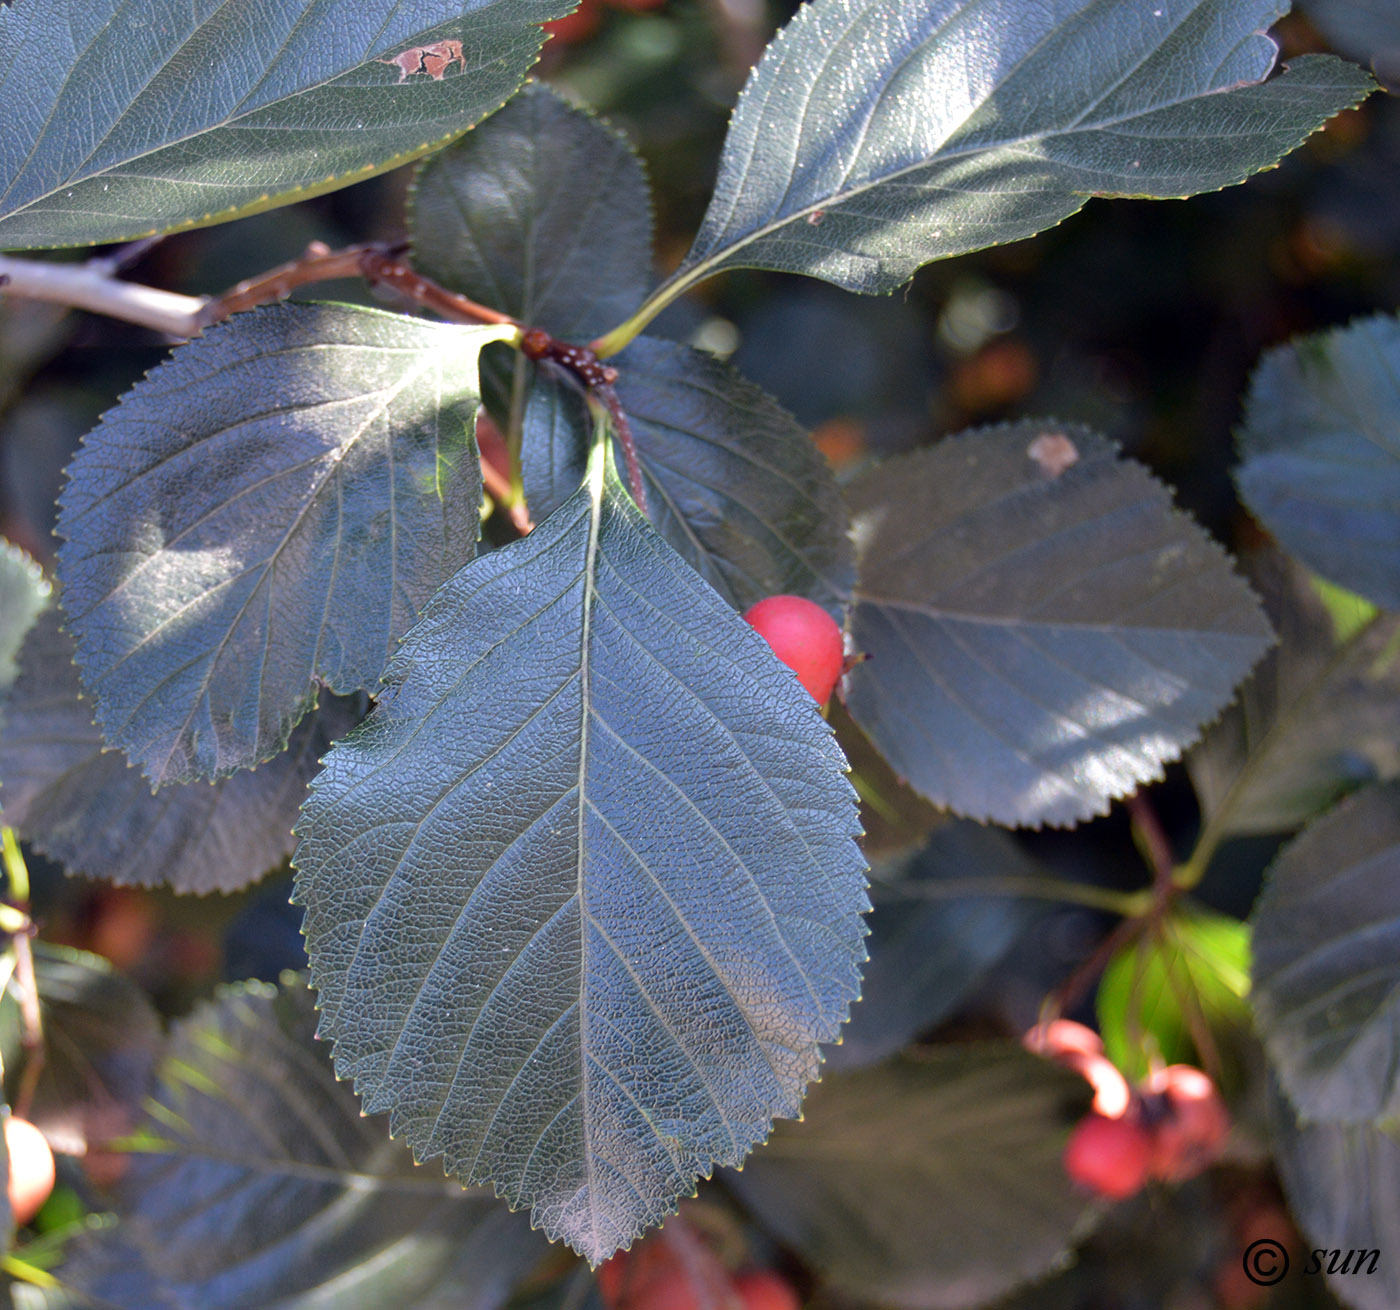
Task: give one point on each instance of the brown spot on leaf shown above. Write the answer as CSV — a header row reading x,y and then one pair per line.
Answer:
x,y
429,60
1054,452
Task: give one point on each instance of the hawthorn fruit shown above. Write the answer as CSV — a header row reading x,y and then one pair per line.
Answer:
x,y
31,1168
762,1289
1112,1157
805,637
1188,1121
1073,1046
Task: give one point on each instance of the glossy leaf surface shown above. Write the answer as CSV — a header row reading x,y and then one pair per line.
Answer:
x,y
733,483
877,135
267,511
929,948
1321,454
542,212
126,117
23,594
1045,630
1327,962
257,1182
1320,717
82,804
582,894
1343,1184
933,1182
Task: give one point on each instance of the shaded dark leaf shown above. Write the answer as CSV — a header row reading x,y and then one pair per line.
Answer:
x,y
583,893
1321,452
23,594
268,510
1045,630
542,212
1343,1185
82,804
874,136
1320,717
933,1183
928,949
123,119
1368,30
257,1182
101,1040
733,483
1327,962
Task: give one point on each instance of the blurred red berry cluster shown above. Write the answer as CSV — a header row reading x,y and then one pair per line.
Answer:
x,y
1170,1127
584,21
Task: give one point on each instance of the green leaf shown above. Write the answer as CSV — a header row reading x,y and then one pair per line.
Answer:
x,y
127,117
23,594
543,212
929,948
733,482
101,1040
583,893
1320,717
268,510
257,1182
83,805
1045,630
1327,962
933,1182
1343,1184
875,136
1155,992
1321,454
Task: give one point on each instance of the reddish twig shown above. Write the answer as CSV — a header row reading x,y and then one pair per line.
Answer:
x,y
597,377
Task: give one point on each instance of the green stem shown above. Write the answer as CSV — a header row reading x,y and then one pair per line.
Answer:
x,y
26,1272
627,331
15,869
1129,905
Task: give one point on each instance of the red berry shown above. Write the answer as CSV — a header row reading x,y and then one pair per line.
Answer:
x,y
577,26
31,1168
1076,1047
805,637
1189,1121
762,1289
1110,1156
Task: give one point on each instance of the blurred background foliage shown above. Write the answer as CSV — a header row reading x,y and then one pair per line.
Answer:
x,y
1141,320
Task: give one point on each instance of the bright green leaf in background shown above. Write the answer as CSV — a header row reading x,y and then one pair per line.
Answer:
x,y
583,893
1321,454
932,1182
268,511
1327,962
126,117
1171,998
257,1182
877,135
1320,716
80,803
1045,630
